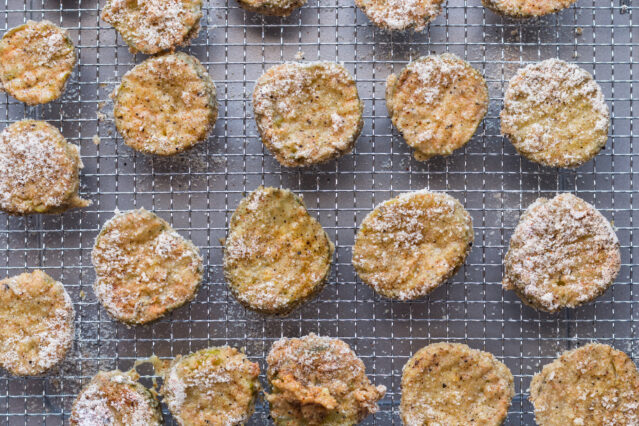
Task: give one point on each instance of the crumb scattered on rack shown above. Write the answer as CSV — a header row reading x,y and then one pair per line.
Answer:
x,y
96,139
299,56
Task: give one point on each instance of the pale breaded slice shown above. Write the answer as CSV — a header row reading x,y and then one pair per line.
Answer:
x,y
526,8
214,386
436,103
398,15
563,253
409,245
272,7
589,386
37,329
307,113
144,268
276,255
319,381
555,114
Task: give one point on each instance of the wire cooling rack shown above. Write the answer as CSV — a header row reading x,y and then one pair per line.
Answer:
x,y
198,191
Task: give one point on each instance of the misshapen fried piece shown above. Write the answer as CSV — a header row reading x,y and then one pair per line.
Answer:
x,y
319,381
154,26
144,269
452,384
165,105
526,8
117,399
37,330
36,59
592,385
398,15
555,114
307,113
436,102
214,386
40,170
563,253
272,7
276,255
409,245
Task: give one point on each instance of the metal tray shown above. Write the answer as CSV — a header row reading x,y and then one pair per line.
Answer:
x,y
198,191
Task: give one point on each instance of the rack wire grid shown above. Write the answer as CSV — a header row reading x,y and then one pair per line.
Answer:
x,y
198,191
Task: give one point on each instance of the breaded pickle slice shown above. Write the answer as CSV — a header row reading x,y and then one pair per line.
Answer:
x,y
37,329
144,268
214,386
272,7
115,398
40,170
436,102
307,113
563,253
276,255
409,245
452,384
526,8
319,381
397,15
154,26
592,385
36,59
555,114
165,105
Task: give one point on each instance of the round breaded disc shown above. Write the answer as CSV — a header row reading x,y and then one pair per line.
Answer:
x,y
307,113
36,59
272,7
592,385
397,15
526,8
436,102
153,26
214,386
563,254
555,114
165,105
37,330
319,381
116,399
411,244
40,170
276,255
144,269
452,384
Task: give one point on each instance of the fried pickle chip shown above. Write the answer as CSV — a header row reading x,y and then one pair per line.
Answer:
x,y
272,7
37,330
526,8
276,255
144,269
409,245
398,15
563,253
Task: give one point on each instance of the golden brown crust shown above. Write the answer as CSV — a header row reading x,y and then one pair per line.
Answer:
x,y
272,7
436,102
115,398
40,170
398,15
36,59
318,381
307,113
563,253
37,329
154,26
276,255
165,105
452,384
526,8
215,386
411,244
592,385
555,114
144,269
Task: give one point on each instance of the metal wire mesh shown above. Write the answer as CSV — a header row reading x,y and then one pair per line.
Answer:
x,y
198,191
